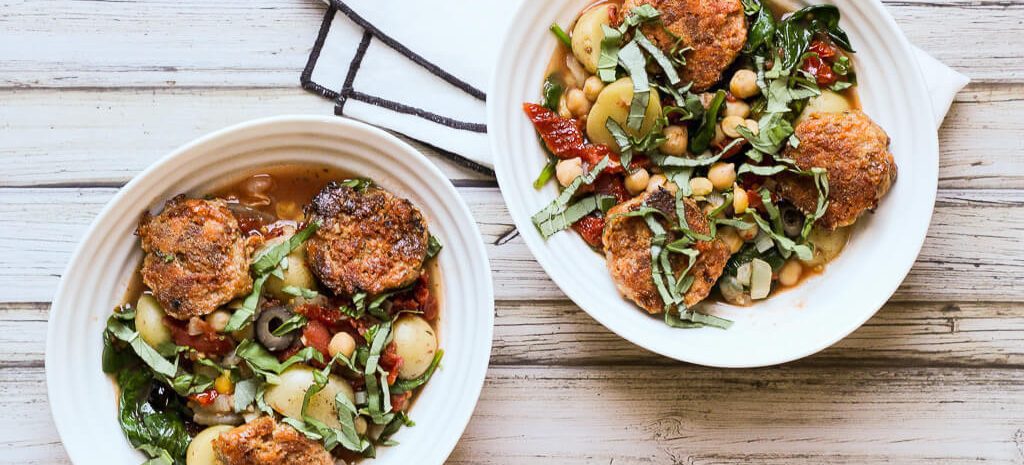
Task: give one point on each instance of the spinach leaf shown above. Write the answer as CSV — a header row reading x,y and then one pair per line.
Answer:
x,y
552,92
701,140
160,433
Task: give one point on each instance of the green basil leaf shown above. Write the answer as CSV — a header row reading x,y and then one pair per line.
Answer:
x,y
701,140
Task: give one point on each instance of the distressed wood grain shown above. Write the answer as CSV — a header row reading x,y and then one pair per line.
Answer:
x,y
236,43
685,414
47,133
973,250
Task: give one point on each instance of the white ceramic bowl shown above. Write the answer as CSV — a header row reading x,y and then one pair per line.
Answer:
x,y
789,325
83,398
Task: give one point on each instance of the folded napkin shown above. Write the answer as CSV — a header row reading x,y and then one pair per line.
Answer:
x,y
421,68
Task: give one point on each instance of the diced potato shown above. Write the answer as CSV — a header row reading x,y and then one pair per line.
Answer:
x,y
827,102
614,102
286,396
587,35
827,245
416,343
149,321
200,450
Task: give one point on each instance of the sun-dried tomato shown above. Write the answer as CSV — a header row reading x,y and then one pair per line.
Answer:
x,y
316,335
207,342
391,362
205,398
564,138
609,184
398,401
820,65
590,228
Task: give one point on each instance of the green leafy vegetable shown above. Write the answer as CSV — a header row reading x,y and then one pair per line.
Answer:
x,y
433,247
403,386
701,140
632,59
376,384
147,354
553,218
160,433
552,92
608,60
293,323
300,292
663,61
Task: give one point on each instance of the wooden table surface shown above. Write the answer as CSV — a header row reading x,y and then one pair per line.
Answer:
x,y
91,92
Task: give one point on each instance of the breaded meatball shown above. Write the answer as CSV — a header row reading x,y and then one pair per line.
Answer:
x,y
196,258
716,30
627,248
264,442
855,153
369,241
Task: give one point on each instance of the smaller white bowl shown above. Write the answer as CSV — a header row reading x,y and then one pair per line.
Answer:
x,y
791,324
83,399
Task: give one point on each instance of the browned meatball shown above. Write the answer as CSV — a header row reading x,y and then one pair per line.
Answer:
x,y
264,442
855,153
716,30
196,258
369,241
627,248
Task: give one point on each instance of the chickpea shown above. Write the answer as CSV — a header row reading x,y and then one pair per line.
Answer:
x,y
675,140
701,186
577,103
790,273
342,343
659,180
722,175
719,138
729,125
737,108
740,201
752,126
567,170
744,84
218,320
731,238
637,181
563,109
592,87
748,234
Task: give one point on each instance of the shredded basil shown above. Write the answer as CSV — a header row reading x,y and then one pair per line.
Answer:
x,y
663,61
633,60
433,247
553,218
296,321
608,60
701,140
403,386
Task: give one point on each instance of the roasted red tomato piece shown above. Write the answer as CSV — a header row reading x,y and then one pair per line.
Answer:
x,y
590,228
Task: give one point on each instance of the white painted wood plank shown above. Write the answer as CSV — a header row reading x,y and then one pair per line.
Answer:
x,y
683,414
265,42
104,137
557,333
973,250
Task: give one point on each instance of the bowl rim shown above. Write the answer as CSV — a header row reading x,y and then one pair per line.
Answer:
x,y
913,83
476,373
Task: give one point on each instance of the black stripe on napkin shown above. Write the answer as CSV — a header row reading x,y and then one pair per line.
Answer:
x,y
348,90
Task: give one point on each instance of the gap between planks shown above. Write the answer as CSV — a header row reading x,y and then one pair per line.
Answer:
x,y
49,133
685,415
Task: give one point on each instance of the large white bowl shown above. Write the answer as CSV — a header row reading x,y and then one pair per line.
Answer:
x,y
83,398
791,324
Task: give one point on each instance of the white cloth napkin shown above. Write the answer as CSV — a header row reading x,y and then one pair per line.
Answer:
x,y
421,69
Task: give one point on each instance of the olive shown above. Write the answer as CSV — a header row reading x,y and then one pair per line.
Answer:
x,y
160,396
269,320
792,219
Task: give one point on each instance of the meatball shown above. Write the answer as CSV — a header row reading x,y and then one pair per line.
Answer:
x,y
716,30
855,153
264,442
369,240
627,248
196,257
